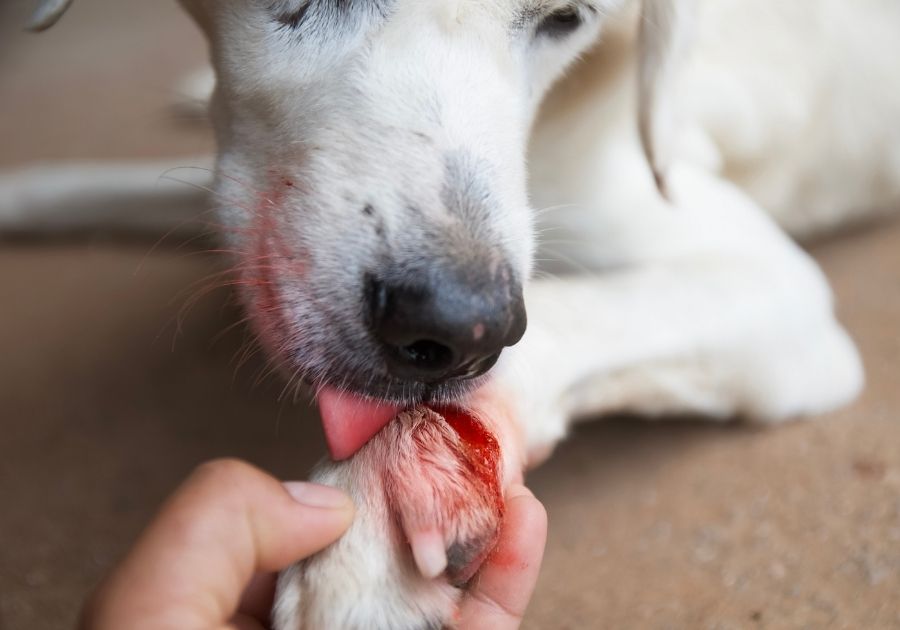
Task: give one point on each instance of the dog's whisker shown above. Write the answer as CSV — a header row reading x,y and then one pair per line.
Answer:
x,y
543,274
214,172
168,234
242,321
573,263
274,366
540,212
252,348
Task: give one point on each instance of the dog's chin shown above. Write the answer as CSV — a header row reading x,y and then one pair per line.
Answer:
x,y
374,383
408,393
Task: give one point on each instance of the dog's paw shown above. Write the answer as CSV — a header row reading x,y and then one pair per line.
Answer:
x,y
428,491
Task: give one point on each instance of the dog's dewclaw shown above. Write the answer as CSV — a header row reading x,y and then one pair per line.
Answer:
x,y
429,552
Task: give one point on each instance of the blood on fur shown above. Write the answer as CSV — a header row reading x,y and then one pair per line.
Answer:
x,y
445,476
482,456
274,259
482,449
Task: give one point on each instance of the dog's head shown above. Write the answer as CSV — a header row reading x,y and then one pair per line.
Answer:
x,y
372,177
372,169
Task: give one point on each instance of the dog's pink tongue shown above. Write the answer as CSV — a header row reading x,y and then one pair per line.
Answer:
x,y
350,420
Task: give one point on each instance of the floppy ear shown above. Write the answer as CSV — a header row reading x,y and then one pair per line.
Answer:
x,y
47,13
665,34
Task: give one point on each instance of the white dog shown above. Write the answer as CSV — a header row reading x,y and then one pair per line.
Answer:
x,y
378,161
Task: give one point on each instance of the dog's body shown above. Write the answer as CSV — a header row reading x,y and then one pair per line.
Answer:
x,y
754,115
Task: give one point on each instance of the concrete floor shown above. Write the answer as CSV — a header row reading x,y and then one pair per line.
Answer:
x,y
103,407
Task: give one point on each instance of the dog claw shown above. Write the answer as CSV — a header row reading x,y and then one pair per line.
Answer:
x,y
429,552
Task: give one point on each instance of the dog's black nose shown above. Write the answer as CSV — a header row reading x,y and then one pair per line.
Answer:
x,y
452,326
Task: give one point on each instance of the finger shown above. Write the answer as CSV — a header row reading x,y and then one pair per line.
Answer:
x,y
258,596
228,521
243,622
503,587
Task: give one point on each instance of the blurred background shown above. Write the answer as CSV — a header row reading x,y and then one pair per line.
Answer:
x,y
106,402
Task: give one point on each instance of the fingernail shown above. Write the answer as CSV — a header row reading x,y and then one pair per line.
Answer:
x,y
317,496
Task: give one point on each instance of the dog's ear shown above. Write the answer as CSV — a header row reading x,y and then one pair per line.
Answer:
x,y
665,34
47,13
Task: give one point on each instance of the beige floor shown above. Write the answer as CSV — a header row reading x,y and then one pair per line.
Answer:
x,y
103,407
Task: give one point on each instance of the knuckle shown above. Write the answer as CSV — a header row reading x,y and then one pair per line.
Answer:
x,y
539,510
494,609
227,472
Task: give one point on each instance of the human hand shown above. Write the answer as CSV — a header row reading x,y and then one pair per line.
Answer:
x,y
209,558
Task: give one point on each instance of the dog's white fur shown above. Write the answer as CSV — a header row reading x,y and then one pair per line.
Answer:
x,y
760,119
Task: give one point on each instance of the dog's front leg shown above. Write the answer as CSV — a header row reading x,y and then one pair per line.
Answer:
x,y
429,491
714,312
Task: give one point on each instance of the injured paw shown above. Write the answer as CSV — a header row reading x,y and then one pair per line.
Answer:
x,y
429,510
444,486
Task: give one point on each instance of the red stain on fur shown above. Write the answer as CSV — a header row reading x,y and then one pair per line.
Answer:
x,y
482,452
270,261
481,455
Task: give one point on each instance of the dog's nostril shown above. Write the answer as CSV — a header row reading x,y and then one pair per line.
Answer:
x,y
427,355
481,367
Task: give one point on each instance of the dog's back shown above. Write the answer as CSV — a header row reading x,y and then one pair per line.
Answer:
x,y
795,102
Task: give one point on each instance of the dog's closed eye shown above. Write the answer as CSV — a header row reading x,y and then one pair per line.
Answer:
x,y
560,23
292,18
